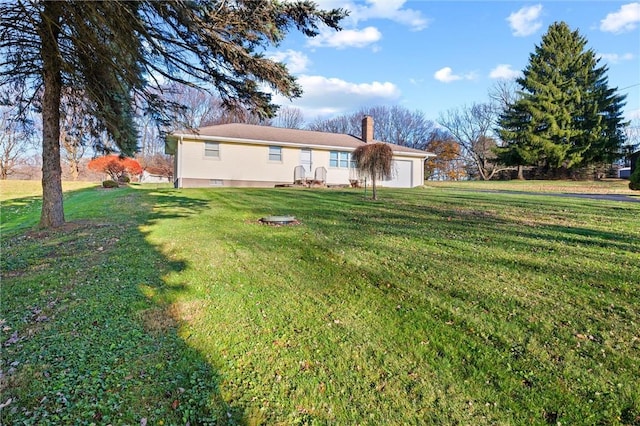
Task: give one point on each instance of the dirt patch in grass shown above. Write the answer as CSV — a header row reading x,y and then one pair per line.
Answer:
x,y
188,311
37,250
157,321
65,228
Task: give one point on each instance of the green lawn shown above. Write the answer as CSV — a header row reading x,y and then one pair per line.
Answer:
x,y
436,305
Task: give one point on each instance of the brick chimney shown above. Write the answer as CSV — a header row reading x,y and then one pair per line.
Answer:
x,y
367,128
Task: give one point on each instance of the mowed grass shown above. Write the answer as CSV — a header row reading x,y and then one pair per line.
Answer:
x,y
12,189
22,200
432,306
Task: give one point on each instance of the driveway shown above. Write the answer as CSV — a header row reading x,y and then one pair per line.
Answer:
x,y
605,197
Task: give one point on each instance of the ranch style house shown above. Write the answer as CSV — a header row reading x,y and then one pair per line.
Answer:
x,y
245,155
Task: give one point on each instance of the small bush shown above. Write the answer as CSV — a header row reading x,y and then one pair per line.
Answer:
x,y
110,184
124,179
634,180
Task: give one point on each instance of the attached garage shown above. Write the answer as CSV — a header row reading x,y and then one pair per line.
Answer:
x,y
402,171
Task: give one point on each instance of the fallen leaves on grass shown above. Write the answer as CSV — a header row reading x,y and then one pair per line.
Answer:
x,y
12,340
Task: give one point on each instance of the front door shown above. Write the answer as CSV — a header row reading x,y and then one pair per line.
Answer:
x,y
305,161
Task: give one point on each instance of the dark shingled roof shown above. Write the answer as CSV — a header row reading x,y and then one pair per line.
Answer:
x,y
253,132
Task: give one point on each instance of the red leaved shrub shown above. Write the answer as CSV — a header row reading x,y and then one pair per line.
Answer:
x,y
116,167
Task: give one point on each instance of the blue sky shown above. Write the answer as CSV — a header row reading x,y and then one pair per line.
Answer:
x,y
434,56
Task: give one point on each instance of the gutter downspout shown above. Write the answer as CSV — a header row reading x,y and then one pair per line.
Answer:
x,y
179,163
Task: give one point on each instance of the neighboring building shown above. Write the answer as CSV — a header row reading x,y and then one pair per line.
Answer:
x,y
263,156
154,175
624,172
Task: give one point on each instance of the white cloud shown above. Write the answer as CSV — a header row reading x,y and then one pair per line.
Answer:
x,y
525,21
446,75
614,58
359,11
625,19
392,10
378,9
325,96
633,114
297,62
346,38
504,71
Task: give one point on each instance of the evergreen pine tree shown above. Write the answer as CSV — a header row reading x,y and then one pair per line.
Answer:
x,y
634,180
566,116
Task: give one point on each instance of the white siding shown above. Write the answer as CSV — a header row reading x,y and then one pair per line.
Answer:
x,y
246,162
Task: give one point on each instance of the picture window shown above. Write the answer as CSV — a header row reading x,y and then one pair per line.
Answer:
x,y
340,159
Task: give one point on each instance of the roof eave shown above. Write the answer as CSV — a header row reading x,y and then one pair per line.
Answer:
x,y
212,138
209,138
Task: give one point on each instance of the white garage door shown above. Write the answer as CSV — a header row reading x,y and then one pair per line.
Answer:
x,y
402,173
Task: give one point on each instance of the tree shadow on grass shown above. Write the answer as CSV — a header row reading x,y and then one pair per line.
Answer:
x,y
335,224
88,331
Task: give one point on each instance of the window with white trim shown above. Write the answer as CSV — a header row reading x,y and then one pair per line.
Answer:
x,y
275,153
340,159
212,149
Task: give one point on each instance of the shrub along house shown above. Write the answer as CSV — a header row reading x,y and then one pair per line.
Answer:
x,y
263,156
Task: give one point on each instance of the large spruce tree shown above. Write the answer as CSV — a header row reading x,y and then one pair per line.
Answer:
x,y
113,52
566,115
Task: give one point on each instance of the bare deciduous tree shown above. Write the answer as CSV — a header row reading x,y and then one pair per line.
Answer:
x,y
340,124
77,130
504,93
394,124
72,150
289,118
400,126
151,140
14,140
472,128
